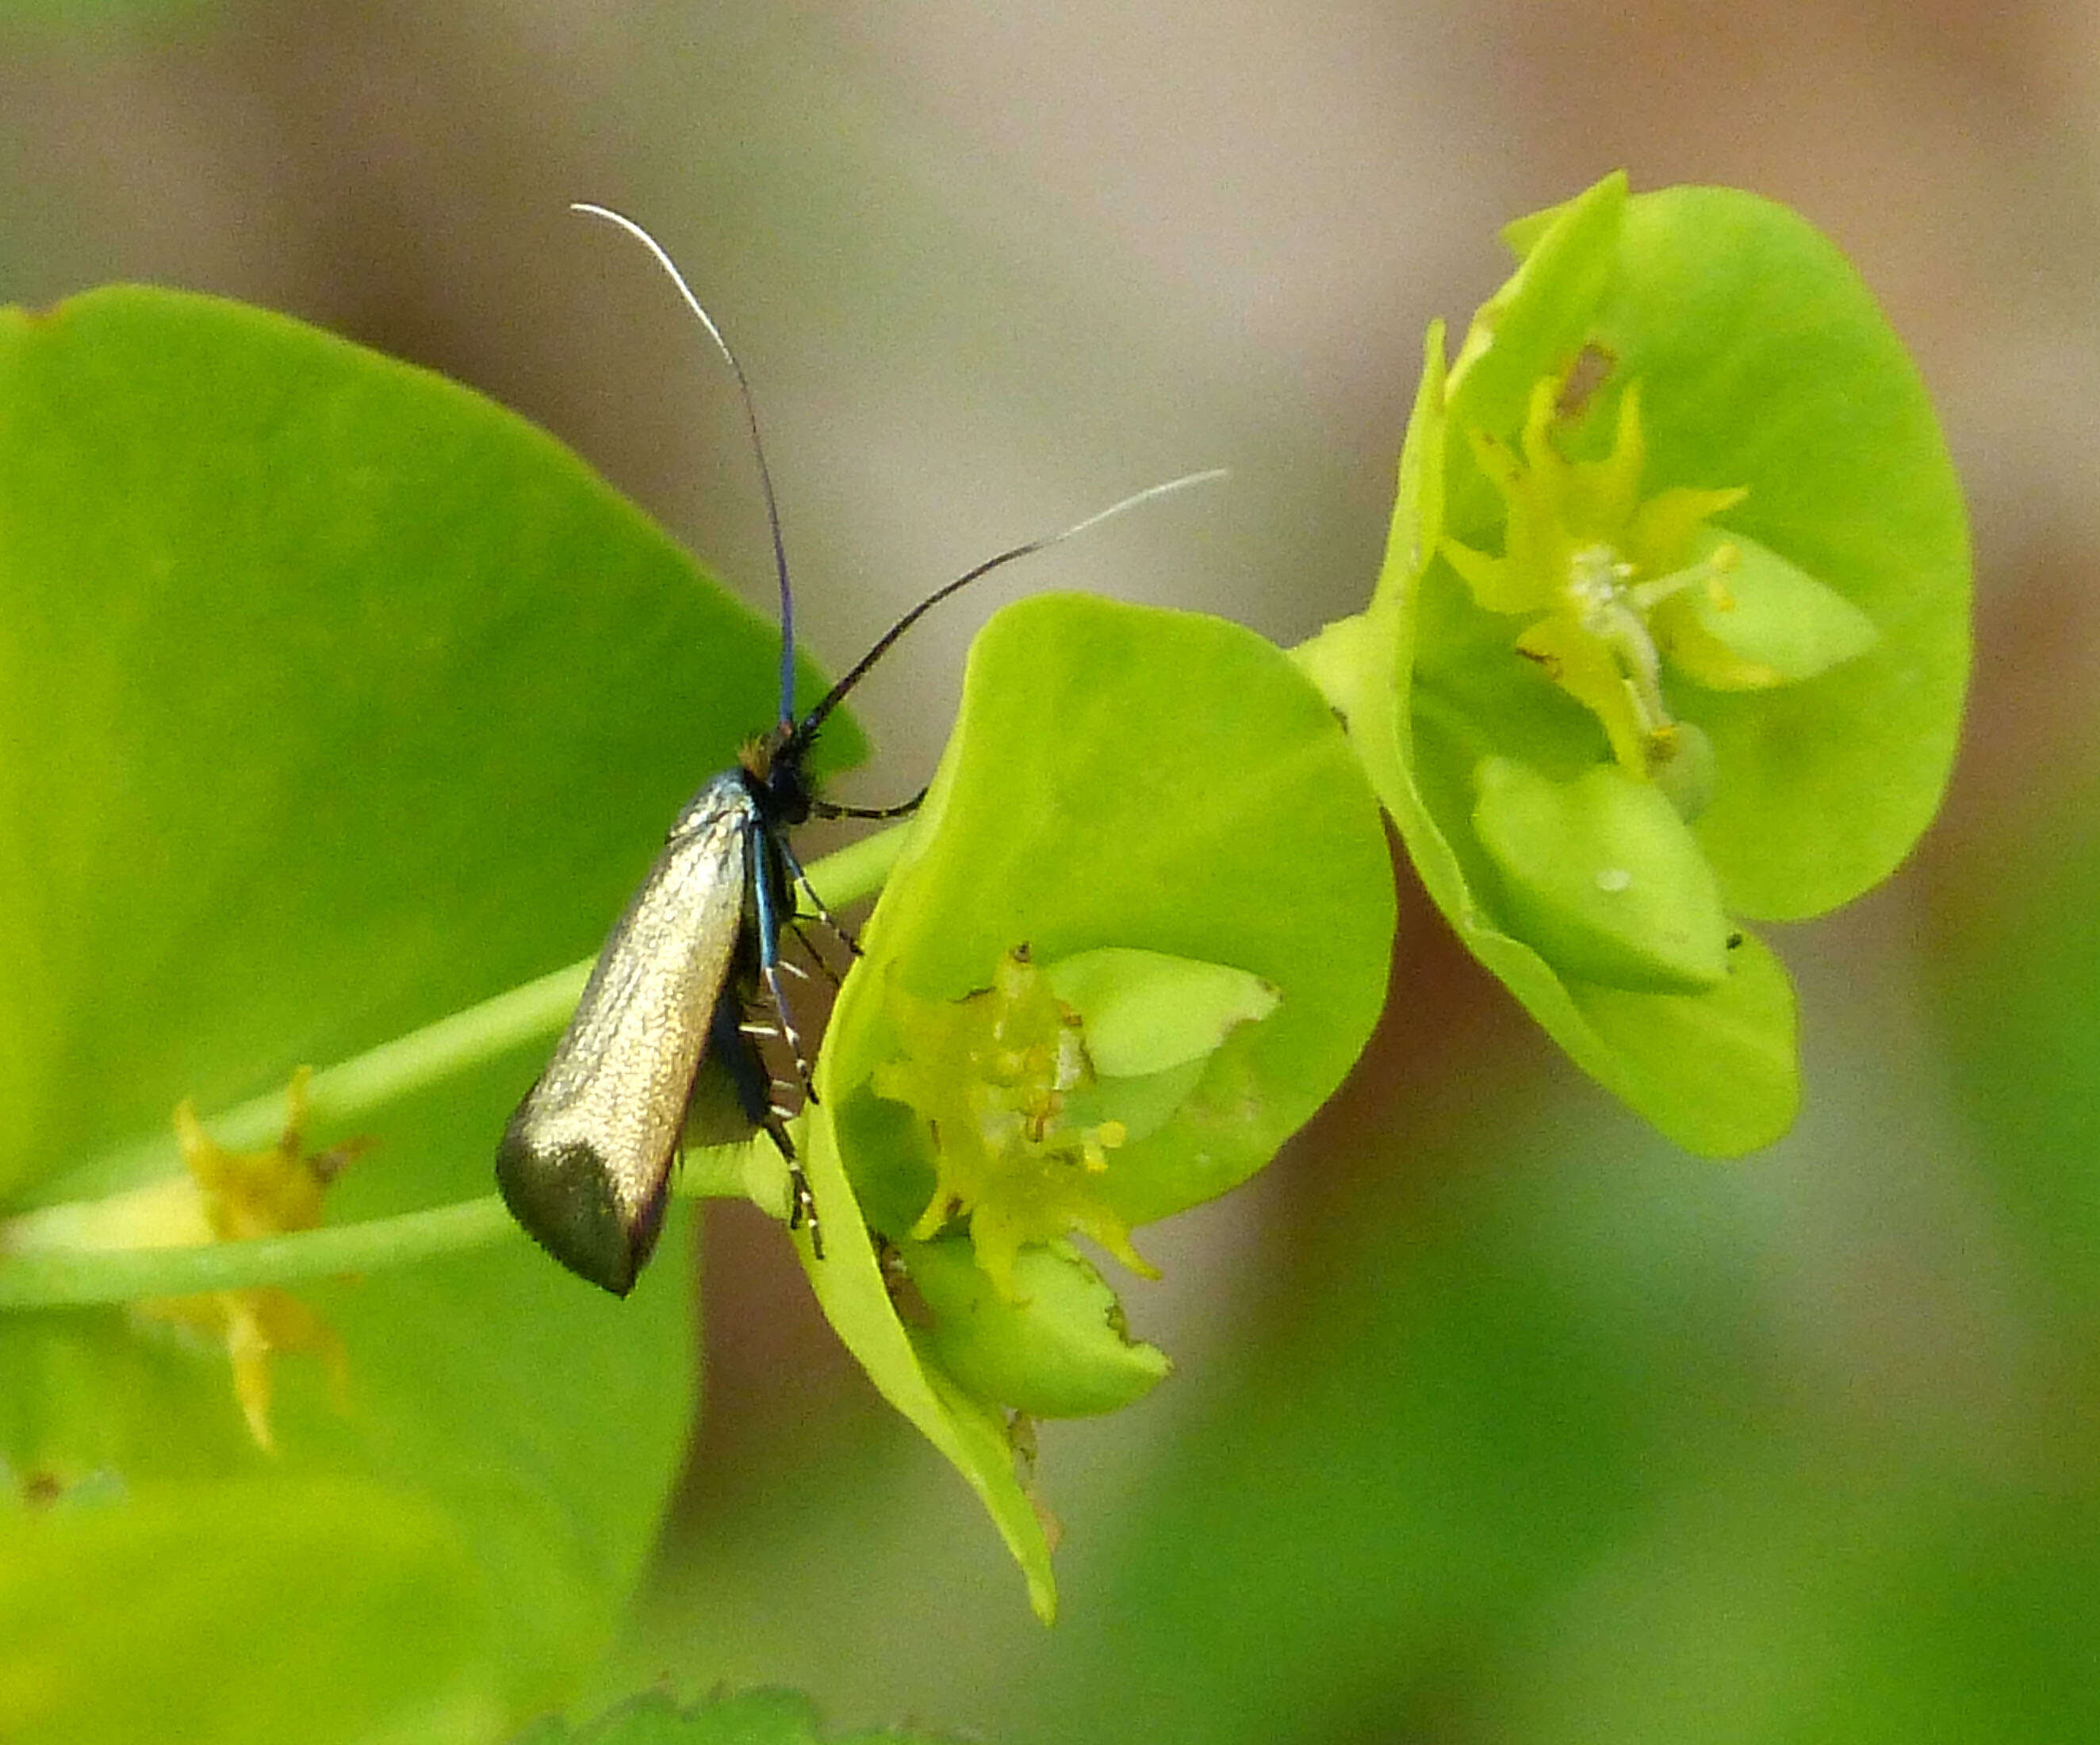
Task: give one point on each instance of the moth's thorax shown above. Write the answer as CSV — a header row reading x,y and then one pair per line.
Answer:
x,y
771,769
730,794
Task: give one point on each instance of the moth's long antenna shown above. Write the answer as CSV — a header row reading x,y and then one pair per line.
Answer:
x,y
757,446
805,729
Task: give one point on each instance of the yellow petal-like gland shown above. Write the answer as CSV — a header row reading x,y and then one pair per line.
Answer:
x,y
1703,657
1488,577
989,1076
1581,548
1614,483
1583,667
1769,623
1523,580
239,1194
1663,534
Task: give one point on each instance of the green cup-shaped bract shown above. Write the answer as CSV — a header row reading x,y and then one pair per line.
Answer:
x,y
1120,778
1782,445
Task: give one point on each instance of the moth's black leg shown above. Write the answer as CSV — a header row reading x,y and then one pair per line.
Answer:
x,y
825,809
765,881
824,915
904,809
761,1099
803,1207
764,872
816,957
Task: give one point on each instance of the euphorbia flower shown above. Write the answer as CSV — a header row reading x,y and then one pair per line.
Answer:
x,y
1614,583
1671,637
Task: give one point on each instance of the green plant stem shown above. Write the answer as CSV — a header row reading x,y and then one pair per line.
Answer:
x,y
47,1255
62,1277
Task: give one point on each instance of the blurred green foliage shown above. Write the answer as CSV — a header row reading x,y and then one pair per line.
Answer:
x,y
1522,1436
754,1717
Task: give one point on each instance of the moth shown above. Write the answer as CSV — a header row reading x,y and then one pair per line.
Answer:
x,y
689,981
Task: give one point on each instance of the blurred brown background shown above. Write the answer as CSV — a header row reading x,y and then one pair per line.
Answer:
x,y
991,267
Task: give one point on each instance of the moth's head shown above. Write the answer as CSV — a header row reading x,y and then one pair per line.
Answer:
x,y
773,765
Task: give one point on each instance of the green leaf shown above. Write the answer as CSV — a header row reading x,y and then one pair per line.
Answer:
x,y
1120,779
1715,1073
335,698
1159,781
337,656
134,1618
971,1433
1765,363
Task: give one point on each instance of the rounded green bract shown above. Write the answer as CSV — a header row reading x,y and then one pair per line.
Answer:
x,y
1673,628
1148,825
